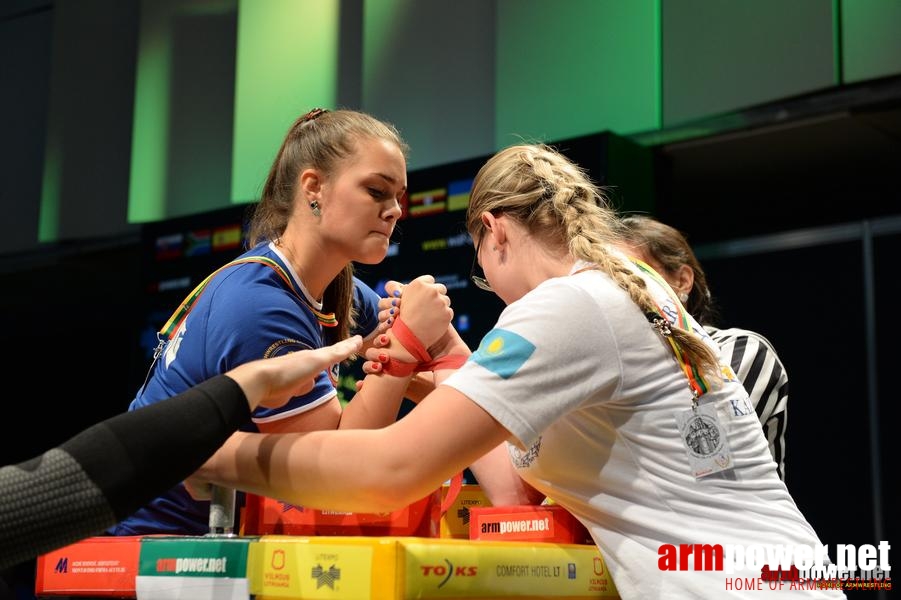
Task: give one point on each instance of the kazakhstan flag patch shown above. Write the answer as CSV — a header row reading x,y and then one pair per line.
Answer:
x,y
503,352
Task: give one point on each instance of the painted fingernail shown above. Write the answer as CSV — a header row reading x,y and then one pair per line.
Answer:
x,y
389,321
391,311
377,367
383,339
397,293
383,357
394,303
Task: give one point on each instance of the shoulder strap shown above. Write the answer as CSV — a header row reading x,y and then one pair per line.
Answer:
x,y
168,330
171,326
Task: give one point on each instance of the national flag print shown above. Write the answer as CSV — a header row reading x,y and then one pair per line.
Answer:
x,y
428,202
169,246
225,238
458,194
198,242
503,352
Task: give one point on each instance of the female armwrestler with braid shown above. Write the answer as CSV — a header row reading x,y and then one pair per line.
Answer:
x,y
609,397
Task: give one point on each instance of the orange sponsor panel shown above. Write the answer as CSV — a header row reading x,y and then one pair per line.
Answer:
x,y
267,516
97,566
551,523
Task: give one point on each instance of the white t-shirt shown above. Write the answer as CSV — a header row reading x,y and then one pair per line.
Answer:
x,y
589,390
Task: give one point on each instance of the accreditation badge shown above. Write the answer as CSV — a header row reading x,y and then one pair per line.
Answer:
x,y
705,440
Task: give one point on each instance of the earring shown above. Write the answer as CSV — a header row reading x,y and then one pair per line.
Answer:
x,y
683,297
314,206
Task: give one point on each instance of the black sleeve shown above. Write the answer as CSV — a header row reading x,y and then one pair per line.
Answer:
x,y
135,456
111,469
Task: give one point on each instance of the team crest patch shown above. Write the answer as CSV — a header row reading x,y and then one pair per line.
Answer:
x,y
503,352
333,373
522,459
287,346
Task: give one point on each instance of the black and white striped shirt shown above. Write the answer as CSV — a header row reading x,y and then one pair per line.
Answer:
x,y
763,375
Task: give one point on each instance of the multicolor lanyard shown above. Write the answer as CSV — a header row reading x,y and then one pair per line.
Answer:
x,y
181,313
695,380
172,325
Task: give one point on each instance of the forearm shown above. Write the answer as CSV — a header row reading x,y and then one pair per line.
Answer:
x,y
420,386
361,470
348,469
500,482
378,400
336,470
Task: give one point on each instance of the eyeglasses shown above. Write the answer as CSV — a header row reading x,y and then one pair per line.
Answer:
x,y
476,273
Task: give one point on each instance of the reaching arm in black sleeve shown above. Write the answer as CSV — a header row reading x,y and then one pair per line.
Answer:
x,y
112,468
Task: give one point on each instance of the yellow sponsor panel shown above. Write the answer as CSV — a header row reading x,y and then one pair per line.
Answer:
x,y
323,567
455,522
400,568
448,568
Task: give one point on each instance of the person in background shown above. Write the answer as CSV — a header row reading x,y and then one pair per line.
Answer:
x,y
750,354
105,472
609,397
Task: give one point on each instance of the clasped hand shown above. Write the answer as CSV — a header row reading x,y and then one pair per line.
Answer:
x,y
426,312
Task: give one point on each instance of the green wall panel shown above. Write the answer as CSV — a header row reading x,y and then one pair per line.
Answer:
x,y
428,67
287,64
871,39
150,129
723,56
576,67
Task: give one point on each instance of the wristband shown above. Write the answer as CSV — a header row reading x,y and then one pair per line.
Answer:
x,y
414,346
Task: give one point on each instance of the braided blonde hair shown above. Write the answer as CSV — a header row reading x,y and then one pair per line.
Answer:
x,y
558,204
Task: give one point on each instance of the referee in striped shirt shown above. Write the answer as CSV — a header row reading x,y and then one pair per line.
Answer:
x,y
750,355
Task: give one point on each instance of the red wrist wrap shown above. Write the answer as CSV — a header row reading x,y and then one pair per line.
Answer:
x,y
409,341
414,346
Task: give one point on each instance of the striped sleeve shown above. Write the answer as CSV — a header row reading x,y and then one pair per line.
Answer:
x,y
763,375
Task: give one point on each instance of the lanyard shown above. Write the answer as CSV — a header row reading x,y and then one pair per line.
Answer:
x,y
168,330
171,326
697,383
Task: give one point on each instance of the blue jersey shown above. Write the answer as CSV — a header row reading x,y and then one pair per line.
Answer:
x,y
245,312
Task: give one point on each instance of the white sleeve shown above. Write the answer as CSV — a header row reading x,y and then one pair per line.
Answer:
x,y
539,363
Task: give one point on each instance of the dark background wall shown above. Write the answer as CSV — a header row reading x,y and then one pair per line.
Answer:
x,y
774,132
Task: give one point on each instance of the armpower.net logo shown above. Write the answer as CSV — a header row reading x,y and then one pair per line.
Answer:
x,y
776,567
